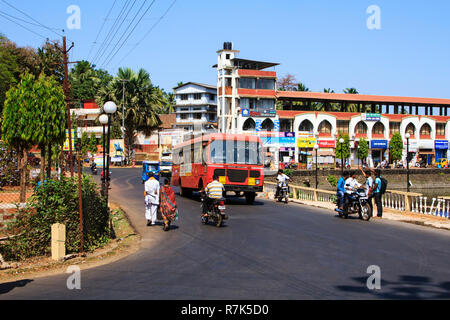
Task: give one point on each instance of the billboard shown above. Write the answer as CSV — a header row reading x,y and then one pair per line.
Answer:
x,y
66,142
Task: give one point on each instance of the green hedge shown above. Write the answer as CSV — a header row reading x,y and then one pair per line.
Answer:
x,y
57,202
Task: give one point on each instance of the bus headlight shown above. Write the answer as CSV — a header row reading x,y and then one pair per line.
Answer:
x,y
257,181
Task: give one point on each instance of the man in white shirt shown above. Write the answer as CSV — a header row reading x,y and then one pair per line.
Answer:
x,y
350,185
151,198
281,178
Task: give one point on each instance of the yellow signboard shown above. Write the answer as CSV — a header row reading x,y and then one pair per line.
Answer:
x,y
222,179
306,142
251,181
66,142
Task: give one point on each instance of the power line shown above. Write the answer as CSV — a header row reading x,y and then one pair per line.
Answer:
x,y
149,31
17,18
48,28
101,28
131,32
122,10
118,28
40,35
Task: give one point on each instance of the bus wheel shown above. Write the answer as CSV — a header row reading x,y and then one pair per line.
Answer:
x,y
250,197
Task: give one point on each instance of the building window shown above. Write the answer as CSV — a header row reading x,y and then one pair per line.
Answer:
x,y
325,127
361,128
440,129
227,56
183,96
212,97
197,116
306,125
247,83
342,126
425,131
265,84
378,128
411,129
247,103
265,104
183,116
197,96
394,127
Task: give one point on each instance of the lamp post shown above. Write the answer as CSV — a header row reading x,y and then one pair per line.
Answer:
x,y
316,147
341,141
103,120
407,135
357,155
110,108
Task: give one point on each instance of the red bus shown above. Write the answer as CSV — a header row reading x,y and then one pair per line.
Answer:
x,y
236,158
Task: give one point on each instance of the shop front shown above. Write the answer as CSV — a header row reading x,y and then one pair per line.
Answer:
x,y
426,152
305,146
286,143
413,149
377,150
326,153
441,149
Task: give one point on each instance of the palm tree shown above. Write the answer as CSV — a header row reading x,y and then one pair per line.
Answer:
x,y
351,107
301,87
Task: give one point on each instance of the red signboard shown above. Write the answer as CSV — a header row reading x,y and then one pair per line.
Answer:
x,y
326,143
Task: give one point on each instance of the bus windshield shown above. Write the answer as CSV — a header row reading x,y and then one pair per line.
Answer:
x,y
235,152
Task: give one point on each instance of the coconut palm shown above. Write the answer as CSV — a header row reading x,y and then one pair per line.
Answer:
x,y
351,107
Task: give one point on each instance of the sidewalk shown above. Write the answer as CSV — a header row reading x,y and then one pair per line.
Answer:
x,y
409,217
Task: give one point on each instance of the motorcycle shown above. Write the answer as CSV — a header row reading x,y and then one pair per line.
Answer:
x,y
216,212
94,169
283,195
358,203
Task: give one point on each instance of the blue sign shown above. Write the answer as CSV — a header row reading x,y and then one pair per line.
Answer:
x,y
378,144
245,112
441,144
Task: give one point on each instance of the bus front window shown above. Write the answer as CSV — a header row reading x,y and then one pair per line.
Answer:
x,y
235,152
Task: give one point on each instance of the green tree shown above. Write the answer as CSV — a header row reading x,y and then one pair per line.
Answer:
x,y
19,124
51,59
363,149
84,144
352,107
396,146
143,103
92,144
345,147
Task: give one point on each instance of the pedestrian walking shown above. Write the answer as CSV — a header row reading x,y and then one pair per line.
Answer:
x,y
168,205
151,198
369,186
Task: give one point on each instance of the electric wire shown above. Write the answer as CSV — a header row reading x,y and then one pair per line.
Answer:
x,y
40,35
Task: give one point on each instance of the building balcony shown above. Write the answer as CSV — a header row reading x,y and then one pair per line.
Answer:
x,y
228,91
256,93
257,73
202,101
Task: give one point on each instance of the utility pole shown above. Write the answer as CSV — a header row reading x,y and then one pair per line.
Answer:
x,y
66,91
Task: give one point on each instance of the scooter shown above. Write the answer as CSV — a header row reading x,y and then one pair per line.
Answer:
x,y
94,169
358,203
283,195
216,212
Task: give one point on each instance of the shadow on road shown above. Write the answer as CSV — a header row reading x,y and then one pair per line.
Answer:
x,y
8,286
229,200
407,287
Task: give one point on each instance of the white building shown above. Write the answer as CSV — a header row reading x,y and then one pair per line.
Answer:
x,y
196,106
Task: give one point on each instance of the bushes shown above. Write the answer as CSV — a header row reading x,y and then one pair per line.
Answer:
x,y
57,201
288,172
332,180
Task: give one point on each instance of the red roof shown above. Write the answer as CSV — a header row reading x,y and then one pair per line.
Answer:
x,y
361,98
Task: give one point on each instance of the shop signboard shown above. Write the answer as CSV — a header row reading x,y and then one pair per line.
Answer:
x,y
441,144
66,142
326,143
426,144
371,116
378,144
412,145
245,112
306,142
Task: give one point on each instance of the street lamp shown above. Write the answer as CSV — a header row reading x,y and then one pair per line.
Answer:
x,y
103,120
407,135
110,108
341,141
316,147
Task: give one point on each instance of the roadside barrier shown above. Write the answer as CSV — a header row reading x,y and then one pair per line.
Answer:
x,y
392,199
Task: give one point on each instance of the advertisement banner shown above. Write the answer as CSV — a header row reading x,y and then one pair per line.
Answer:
x,y
412,145
441,144
66,142
117,148
326,143
305,140
378,144
371,116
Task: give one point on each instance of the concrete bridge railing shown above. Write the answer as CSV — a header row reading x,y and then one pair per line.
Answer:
x,y
392,199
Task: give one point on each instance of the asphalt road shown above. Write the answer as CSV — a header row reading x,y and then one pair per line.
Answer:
x,y
264,251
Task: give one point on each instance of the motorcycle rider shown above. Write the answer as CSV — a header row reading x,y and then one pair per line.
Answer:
x,y
351,184
340,192
281,178
93,166
214,190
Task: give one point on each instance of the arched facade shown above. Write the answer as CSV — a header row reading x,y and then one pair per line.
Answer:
x,y
249,125
325,129
306,125
267,125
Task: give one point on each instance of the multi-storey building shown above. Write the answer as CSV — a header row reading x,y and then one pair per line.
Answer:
x,y
196,106
86,117
247,96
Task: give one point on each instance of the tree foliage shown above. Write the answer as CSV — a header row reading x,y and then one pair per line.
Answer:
x,y
345,147
396,146
363,149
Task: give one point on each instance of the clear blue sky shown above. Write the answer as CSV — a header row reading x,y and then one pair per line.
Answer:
x,y
325,44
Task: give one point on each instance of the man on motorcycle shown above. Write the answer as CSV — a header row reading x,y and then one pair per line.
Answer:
x,y
341,190
351,184
281,178
214,190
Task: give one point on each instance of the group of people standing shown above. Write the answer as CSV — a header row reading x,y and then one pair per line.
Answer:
x,y
348,184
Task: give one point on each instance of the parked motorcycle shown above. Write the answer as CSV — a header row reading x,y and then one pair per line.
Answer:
x,y
216,212
358,203
283,195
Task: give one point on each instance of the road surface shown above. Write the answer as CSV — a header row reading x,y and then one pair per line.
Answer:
x,y
264,251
